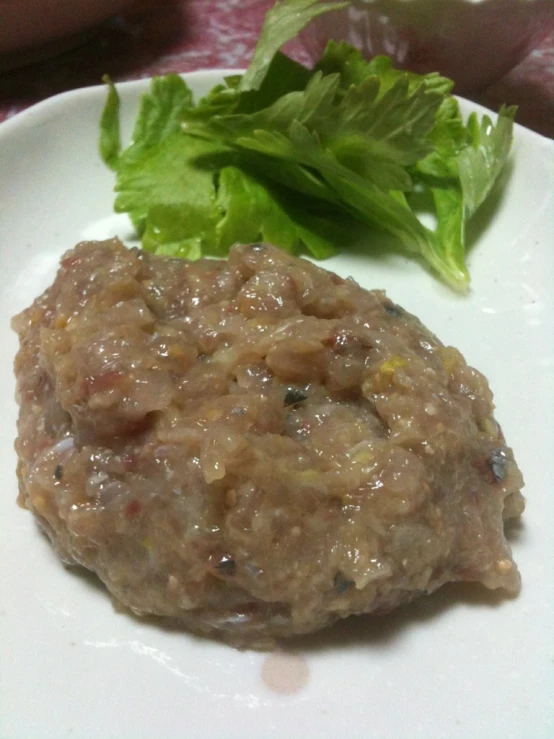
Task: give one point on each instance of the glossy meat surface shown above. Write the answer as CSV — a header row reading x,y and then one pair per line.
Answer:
x,y
254,447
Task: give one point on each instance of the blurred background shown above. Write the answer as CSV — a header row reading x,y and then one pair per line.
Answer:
x,y
498,51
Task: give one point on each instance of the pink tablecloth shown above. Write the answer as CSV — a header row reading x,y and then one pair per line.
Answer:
x,y
184,35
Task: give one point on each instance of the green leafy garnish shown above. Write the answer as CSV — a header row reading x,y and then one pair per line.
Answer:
x,y
166,175
110,139
307,159
481,163
282,23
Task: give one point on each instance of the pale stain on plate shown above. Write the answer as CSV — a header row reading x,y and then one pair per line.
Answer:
x,y
285,673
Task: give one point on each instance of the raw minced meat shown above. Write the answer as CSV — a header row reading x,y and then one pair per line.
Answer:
x,y
254,447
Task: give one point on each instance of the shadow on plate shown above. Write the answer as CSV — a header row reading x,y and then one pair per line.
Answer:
x,y
380,631
514,530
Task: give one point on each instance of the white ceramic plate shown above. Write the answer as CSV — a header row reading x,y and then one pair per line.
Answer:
x,y
463,663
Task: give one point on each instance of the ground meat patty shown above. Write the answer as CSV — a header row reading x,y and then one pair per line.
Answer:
x,y
255,447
